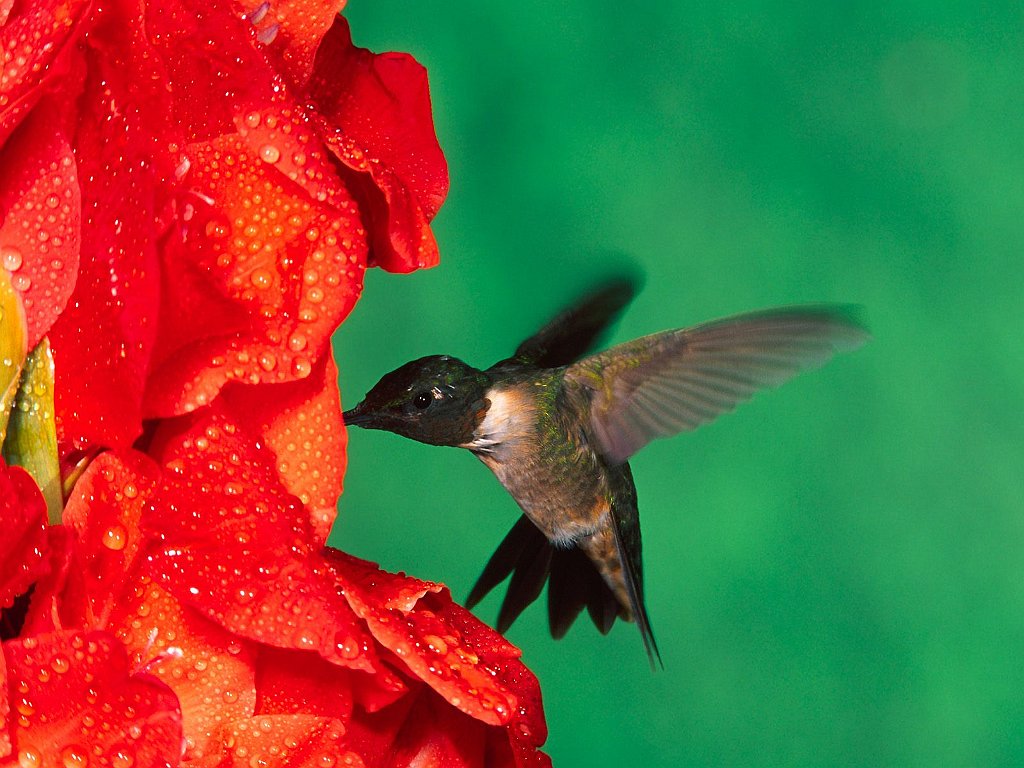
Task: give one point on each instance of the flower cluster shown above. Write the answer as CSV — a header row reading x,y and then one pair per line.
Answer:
x,y
190,193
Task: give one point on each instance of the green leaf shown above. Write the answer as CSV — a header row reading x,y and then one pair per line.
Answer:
x,y
31,440
12,348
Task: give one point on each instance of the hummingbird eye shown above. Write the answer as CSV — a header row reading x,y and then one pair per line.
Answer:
x,y
423,400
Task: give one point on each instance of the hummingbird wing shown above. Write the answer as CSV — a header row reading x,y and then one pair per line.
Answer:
x,y
625,524
674,381
575,330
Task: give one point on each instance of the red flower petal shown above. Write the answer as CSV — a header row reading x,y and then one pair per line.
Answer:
x,y
438,735
5,711
203,48
254,294
238,547
527,730
210,671
104,511
293,30
243,97
469,664
42,611
267,254
385,133
301,423
291,682
40,211
74,700
289,741
372,735
102,343
37,43
422,729
23,544
294,682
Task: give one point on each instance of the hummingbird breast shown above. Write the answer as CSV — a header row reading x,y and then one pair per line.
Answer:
x,y
531,441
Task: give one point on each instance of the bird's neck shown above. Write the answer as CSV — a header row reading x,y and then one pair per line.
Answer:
x,y
508,419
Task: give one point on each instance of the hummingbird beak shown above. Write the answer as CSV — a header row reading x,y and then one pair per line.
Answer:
x,y
353,417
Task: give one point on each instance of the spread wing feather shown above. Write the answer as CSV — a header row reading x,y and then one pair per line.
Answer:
x,y
674,381
575,330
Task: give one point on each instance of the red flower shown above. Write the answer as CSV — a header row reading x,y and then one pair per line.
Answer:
x,y
74,699
23,544
189,196
224,192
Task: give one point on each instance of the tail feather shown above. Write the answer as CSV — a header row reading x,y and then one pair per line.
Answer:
x,y
576,584
532,560
526,584
522,538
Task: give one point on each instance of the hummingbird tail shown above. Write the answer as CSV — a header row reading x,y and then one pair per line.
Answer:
x,y
575,583
523,544
532,560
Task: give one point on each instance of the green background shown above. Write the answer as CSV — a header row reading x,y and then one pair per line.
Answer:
x,y
836,571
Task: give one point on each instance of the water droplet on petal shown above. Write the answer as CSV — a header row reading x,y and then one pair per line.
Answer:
x,y
115,537
74,756
269,153
347,647
10,258
436,643
217,227
261,278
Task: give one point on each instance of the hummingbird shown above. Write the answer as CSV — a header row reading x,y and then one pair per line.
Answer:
x,y
557,426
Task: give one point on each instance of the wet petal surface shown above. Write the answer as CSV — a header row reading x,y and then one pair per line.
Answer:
x,y
469,664
375,115
238,547
289,741
209,670
301,423
23,544
103,342
37,40
75,700
40,217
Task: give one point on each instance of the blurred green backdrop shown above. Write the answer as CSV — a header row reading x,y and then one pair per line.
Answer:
x,y
836,571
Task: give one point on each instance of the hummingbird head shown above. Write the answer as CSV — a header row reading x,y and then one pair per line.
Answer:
x,y
437,400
